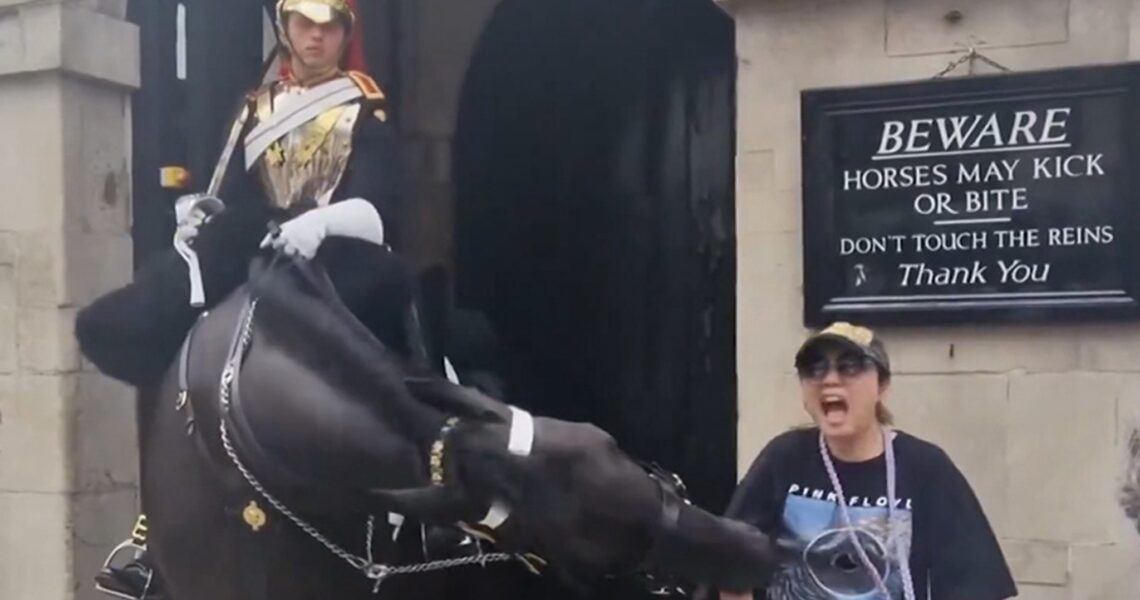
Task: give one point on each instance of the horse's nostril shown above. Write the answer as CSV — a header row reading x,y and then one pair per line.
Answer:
x,y
844,562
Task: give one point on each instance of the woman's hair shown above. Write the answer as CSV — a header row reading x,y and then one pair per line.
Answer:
x,y
882,413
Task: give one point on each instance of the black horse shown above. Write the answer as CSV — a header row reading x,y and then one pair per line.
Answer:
x,y
286,440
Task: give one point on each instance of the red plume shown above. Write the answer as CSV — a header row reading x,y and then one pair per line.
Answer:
x,y
355,61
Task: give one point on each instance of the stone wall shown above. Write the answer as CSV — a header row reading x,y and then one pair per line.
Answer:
x,y
438,38
67,441
1033,415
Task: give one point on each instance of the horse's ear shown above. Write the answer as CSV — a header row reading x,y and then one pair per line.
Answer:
x,y
457,400
443,504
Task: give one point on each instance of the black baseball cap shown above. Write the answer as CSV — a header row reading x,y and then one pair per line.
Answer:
x,y
854,337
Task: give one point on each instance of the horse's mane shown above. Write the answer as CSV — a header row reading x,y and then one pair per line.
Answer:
x,y
298,310
1130,493
296,314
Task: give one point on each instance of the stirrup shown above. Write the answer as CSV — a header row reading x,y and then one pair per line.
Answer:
x,y
136,550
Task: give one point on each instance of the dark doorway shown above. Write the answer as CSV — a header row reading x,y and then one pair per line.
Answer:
x,y
594,163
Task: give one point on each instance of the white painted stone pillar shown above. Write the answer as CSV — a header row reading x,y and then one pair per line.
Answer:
x,y
68,464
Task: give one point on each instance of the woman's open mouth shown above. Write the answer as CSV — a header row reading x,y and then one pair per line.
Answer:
x,y
834,409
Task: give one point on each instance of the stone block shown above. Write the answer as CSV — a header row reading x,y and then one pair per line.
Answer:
x,y
9,338
446,33
1038,563
1062,456
8,286
71,37
98,185
99,522
1106,572
35,546
770,259
111,8
34,454
96,263
1133,30
1043,592
100,47
967,416
47,340
9,248
103,435
1125,531
39,271
1098,33
769,303
1109,347
763,204
977,349
778,127
920,27
31,172
1128,413
9,254
769,405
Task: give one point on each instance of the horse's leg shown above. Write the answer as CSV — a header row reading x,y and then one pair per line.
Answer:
x,y
184,510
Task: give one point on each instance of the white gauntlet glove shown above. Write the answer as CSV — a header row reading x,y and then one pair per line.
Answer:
x,y
190,213
303,235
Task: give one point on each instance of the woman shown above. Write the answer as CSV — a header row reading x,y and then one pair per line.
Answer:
x,y
870,511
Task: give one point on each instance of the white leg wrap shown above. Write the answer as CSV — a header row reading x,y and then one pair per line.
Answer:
x,y
522,432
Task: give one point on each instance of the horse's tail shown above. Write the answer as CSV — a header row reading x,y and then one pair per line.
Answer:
x,y
1130,493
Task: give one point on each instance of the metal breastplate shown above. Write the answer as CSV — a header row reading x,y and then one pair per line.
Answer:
x,y
307,164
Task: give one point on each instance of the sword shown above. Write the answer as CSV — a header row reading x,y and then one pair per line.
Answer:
x,y
192,210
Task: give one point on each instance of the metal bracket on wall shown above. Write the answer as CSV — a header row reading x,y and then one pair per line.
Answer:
x,y
970,56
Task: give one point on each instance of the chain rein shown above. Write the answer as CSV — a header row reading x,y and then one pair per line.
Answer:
x,y
377,572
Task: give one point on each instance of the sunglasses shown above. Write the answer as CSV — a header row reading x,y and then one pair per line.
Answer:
x,y
848,365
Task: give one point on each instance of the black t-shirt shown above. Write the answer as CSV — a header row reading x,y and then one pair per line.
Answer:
x,y
953,553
